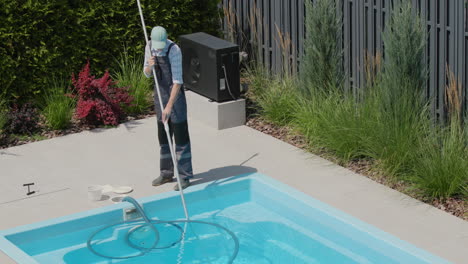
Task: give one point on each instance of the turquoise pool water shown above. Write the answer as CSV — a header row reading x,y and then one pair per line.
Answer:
x,y
272,222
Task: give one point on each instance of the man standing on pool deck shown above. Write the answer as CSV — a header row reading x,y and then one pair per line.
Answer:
x,y
166,58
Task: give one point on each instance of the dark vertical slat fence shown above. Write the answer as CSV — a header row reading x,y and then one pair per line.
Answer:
x,y
364,21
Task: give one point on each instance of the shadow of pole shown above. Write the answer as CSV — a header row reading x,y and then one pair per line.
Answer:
x,y
223,174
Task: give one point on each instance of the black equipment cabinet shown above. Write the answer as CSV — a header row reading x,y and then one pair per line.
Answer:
x,y
205,59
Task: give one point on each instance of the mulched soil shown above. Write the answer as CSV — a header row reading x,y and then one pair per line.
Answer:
x,y
455,206
75,127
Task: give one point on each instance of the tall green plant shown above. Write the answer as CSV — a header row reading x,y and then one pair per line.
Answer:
x,y
4,136
391,137
279,101
275,97
321,67
3,114
404,74
442,167
401,113
259,79
130,74
332,121
441,170
57,107
327,116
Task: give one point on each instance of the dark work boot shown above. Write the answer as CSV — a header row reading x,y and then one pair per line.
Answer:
x,y
161,180
185,183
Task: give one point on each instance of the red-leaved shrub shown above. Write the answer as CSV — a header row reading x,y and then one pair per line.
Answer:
x,y
23,119
100,101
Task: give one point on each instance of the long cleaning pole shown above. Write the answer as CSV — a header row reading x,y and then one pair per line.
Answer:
x,y
166,126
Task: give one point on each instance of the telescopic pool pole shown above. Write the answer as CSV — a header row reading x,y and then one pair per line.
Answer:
x,y
166,126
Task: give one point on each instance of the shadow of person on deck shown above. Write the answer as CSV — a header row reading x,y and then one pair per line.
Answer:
x,y
223,174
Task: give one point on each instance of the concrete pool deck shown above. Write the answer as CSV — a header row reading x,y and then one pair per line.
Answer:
x,y
63,167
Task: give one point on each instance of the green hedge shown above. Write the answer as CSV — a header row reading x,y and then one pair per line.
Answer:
x,y
41,38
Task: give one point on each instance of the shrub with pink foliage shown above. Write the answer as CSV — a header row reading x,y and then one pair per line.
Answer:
x,y
100,101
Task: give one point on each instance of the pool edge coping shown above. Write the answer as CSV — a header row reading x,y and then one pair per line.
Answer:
x,y
17,254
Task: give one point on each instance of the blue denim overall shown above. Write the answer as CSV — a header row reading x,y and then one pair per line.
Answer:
x,y
178,126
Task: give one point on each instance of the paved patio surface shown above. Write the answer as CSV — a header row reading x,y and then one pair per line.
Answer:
x,y
63,167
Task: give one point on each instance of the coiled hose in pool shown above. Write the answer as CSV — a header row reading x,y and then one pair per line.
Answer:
x,y
151,224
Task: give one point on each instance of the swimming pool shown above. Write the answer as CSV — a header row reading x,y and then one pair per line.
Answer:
x,y
273,223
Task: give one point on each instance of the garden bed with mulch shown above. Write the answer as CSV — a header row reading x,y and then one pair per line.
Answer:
x,y
455,206
7,141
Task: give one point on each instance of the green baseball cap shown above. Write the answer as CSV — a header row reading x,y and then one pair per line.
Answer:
x,y
158,37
